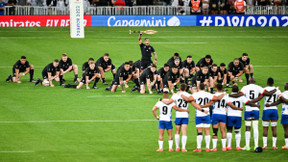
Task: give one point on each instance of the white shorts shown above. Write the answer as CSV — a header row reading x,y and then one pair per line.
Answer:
x,y
202,125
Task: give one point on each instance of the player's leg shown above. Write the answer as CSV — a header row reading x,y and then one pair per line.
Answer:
x,y
285,126
80,85
265,124
113,71
186,75
142,88
96,81
207,136
170,139
237,129
61,77
246,71
223,135
160,139
101,71
229,132
274,133
215,137
248,130
177,134
75,69
255,122
184,136
114,88
199,137
31,72
45,82
251,70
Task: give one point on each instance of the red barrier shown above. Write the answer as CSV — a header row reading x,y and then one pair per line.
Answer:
x,y
39,21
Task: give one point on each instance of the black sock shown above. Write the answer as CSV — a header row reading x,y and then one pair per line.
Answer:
x,y
31,74
251,74
103,80
158,83
228,80
211,90
61,78
186,80
136,82
76,76
233,82
114,76
247,77
96,81
73,86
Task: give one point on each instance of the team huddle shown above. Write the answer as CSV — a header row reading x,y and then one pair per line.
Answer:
x,y
223,111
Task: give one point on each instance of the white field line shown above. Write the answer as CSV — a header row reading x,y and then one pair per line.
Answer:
x,y
264,66
153,42
77,121
16,151
122,96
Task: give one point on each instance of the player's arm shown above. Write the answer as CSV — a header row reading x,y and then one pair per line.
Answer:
x,y
188,99
108,68
225,79
284,99
87,81
139,38
121,83
239,94
128,78
179,109
240,73
207,105
168,102
154,112
149,84
155,57
198,107
50,78
192,70
269,93
274,104
177,81
258,98
27,71
69,69
234,107
170,84
217,98
252,104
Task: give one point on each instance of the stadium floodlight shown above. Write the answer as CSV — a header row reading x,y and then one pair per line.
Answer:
x,y
76,18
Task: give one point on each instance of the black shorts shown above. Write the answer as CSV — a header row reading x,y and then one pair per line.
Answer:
x,y
116,80
165,83
105,67
14,71
144,65
194,83
142,81
44,76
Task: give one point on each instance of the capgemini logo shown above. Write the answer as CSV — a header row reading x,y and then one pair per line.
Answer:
x,y
173,21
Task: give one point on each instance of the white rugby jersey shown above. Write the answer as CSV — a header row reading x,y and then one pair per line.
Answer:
x,y
181,103
165,111
220,106
252,91
238,102
285,106
202,98
271,99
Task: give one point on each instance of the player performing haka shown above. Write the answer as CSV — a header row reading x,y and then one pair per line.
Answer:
x,y
148,77
248,68
172,78
104,64
49,73
66,66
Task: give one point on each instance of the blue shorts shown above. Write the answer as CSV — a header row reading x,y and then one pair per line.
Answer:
x,y
179,121
251,114
203,120
284,119
165,125
270,114
234,121
217,118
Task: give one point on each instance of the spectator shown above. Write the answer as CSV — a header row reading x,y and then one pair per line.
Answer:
x,y
11,3
205,7
240,6
195,7
231,8
166,2
22,2
119,3
250,2
35,3
214,7
223,7
2,7
186,4
129,3
277,2
264,2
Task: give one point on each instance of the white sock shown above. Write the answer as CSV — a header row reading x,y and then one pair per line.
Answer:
x,y
247,137
286,141
229,139
214,142
177,140
274,139
199,141
238,139
184,140
170,144
256,133
207,141
264,141
223,143
160,143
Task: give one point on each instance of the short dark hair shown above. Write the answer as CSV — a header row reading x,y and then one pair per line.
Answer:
x,y
106,54
165,65
90,59
174,66
214,65
131,63
202,86
23,57
146,38
208,56
189,56
154,65
183,87
286,86
222,64
235,88
270,81
205,67
219,87
176,54
244,54
126,63
56,60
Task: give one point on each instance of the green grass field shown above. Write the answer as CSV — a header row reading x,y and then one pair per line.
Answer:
x,y
57,124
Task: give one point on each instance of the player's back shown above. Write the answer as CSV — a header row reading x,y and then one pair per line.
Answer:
x,y
272,98
238,102
251,92
220,106
165,111
285,106
202,98
181,103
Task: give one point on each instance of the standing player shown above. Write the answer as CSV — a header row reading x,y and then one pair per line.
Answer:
x,y
146,50
188,68
148,75
172,78
104,64
160,77
248,68
213,77
20,66
235,70
202,119
222,79
165,119
202,76
234,117
284,117
252,92
66,66
49,73
270,114
206,61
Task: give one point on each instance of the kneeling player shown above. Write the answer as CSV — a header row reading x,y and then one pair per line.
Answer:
x,y
188,68
123,75
222,79
86,65
160,77
172,78
104,64
284,117
165,119
148,75
248,68
49,73
21,65
213,77
235,70
202,76
66,66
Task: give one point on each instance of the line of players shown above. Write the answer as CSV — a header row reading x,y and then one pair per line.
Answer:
x,y
172,73
226,113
